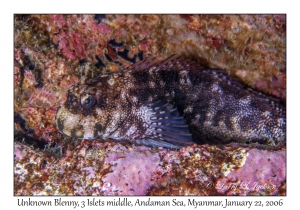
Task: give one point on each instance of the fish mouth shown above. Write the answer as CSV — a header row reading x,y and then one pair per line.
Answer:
x,y
72,125
83,127
57,111
59,121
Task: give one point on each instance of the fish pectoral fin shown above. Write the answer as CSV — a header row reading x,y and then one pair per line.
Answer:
x,y
166,126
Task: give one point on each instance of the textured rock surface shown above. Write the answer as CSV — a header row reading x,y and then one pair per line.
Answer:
x,y
94,168
54,52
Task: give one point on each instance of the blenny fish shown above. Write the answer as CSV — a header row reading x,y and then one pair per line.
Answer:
x,y
171,103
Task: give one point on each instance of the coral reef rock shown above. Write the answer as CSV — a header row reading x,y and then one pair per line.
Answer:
x,y
54,52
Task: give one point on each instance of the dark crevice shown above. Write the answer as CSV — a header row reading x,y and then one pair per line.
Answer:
x,y
82,62
28,64
118,63
99,17
108,58
141,55
114,43
100,63
39,79
124,55
19,120
30,141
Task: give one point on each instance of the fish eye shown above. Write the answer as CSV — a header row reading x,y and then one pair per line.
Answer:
x,y
87,100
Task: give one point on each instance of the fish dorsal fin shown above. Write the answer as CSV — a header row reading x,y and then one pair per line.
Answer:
x,y
166,126
174,62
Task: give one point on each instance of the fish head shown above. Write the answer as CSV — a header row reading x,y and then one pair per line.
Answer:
x,y
89,113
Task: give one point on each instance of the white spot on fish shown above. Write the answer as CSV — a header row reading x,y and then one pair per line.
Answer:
x,y
266,114
134,99
216,88
280,122
244,101
131,130
235,122
188,109
123,95
99,111
111,81
152,84
182,81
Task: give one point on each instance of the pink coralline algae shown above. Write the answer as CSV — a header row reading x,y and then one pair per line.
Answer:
x,y
132,169
208,170
94,168
262,173
54,52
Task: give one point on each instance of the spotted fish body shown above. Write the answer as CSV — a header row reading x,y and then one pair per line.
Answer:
x,y
171,103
